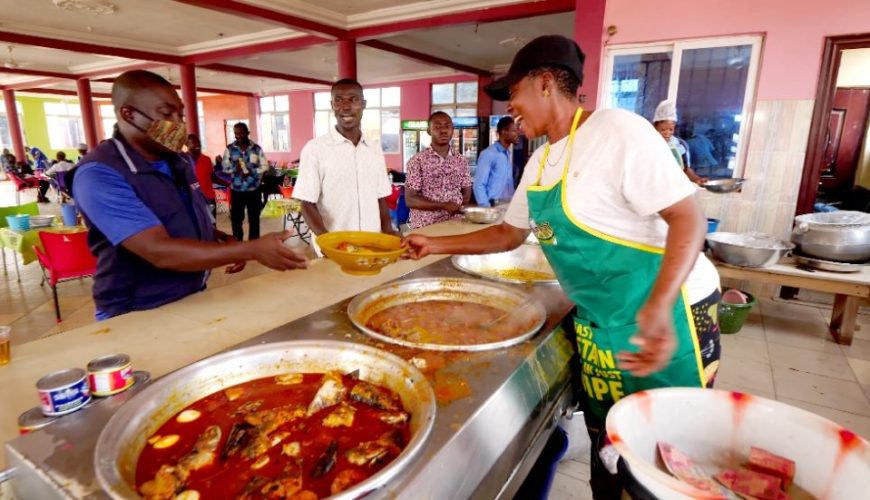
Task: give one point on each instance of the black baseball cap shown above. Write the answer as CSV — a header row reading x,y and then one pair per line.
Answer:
x,y
548,50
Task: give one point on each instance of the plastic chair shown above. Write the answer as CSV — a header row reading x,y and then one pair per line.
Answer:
x,y
66,257
222,199
294,216
21,184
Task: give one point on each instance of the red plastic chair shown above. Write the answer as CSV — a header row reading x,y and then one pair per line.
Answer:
x,y
21,184
66,256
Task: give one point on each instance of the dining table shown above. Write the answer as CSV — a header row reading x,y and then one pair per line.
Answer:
x,y
22,243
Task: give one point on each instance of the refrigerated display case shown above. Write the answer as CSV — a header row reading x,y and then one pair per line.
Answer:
x,y
466,137
415,138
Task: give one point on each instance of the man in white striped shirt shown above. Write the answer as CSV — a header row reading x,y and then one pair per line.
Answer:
x,y
342,181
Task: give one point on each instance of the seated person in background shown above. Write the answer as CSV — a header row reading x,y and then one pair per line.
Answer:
x,y
665,122
40,161
149,226
439,182
61,165
342,183
5,162
83,150
493,179
25,170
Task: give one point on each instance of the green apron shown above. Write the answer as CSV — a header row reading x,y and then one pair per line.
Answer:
x,y
609,280
678,157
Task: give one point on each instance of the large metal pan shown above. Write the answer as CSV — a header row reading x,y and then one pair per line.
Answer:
x,y
503,266
124,437
509,299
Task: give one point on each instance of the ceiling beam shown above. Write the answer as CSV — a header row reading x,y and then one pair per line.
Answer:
x,y
117,70
36,83
485,15
34,72
227,68
198,89
286,45
426,58
90,48
99,95
253,12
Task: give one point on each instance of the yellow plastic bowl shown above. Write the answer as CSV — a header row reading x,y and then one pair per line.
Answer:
x,y
379,250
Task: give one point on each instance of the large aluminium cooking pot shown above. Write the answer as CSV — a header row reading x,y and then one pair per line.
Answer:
x,y
122,440
839,236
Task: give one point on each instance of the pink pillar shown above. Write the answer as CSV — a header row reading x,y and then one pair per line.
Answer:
x,y
347,59
14,126
89,118
588,32
188,97
484,102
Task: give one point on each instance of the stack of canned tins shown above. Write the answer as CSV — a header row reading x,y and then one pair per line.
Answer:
x,y
66,391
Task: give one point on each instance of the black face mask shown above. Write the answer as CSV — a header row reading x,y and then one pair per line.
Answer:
x,y
170,134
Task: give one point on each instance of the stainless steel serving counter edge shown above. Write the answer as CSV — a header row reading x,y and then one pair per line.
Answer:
x,y
481,446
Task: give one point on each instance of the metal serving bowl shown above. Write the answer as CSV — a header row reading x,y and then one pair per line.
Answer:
x,y
123,439
723,185
482,215
506,298
502,266
748,249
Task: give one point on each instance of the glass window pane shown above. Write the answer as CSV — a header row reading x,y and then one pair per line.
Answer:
x,y
321,123
390,128
54,108
449,111
391,97
371,123
372,97
322,100
466,111
266,132
640,82
267,104
282,131
74,110
442,93
108,111
466,92
710,100
282,103
108,127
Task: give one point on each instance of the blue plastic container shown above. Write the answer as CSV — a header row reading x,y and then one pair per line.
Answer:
x,y
70,214
19,223
712,225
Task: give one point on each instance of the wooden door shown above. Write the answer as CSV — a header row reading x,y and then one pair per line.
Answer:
x,y
844,136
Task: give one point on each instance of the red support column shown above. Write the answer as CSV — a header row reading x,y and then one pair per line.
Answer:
x,y
89,118
347,59
14,125
589,34
188,96
484,102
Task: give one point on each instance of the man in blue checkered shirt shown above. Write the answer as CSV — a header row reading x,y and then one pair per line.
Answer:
x,y
246,163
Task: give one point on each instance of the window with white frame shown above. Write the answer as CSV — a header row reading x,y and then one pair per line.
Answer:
x,y
108,120
64,121
200,113
275,123
380,118
712,82
455,99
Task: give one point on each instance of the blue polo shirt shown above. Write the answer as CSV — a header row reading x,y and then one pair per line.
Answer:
x,y
493,179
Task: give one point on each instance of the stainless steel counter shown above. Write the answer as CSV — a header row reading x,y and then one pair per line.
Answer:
x,y
482,446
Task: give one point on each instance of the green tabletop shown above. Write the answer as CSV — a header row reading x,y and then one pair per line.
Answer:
x,y
23,242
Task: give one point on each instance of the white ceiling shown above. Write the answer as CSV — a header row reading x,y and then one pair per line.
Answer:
x,y
175,28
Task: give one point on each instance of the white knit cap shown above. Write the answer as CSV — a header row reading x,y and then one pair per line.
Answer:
x,y
666,110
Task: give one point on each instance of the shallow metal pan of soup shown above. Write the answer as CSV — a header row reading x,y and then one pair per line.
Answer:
x,y
525,264
123,439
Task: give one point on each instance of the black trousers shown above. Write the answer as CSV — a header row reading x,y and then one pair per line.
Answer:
x,y
239,202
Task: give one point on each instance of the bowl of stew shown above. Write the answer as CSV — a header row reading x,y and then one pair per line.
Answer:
x,y
361,252
314,419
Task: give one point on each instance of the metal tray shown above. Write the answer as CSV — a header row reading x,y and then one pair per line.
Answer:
x,y
122,440
488,266
504,297
828,265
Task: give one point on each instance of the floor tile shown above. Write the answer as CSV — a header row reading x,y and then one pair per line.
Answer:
x,y
742,347
859,424
820,363
742,375
861,369
576,469
859,349
820,390
566,487
752,329
812,335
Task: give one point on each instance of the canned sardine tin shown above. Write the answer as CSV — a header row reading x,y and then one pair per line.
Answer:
x,y
108,375
63,392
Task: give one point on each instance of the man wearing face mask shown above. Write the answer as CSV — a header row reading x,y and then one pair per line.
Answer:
x,y
149,225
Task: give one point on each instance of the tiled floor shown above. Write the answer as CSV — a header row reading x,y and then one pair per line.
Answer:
x,y
783,352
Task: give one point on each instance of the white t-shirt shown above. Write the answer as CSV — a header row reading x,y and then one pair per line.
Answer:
x,y
621,175
345,181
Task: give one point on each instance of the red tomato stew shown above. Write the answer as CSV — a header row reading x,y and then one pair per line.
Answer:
x,y
300,436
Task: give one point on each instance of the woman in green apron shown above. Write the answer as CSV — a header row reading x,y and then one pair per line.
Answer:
x,y
621,229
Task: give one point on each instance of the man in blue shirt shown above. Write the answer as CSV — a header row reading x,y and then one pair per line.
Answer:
x,y
247,164
493,179
148,223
